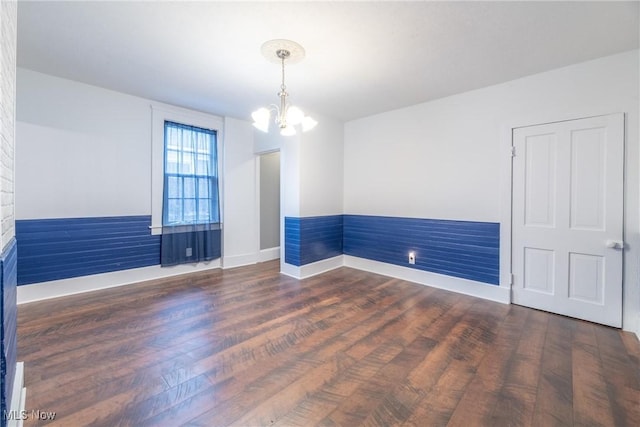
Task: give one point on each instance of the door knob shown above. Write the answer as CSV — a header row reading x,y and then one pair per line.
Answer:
x,y
615,244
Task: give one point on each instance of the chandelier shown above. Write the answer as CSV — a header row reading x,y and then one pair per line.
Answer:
x,y
286,115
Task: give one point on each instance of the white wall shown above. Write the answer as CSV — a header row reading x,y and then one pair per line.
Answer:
x,y
8,22
241,238
266,142
417,162
82,150
312,168
443,159
290,177
321,168
312,182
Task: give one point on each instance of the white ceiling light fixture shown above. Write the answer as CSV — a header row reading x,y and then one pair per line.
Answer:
x,y
286,115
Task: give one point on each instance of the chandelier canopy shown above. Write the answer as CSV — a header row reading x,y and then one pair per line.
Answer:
x,y
286,115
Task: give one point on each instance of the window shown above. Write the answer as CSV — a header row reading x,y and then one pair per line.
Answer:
x,y
190,193
160,115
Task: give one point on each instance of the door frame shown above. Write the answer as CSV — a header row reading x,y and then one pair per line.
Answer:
x,y
506,192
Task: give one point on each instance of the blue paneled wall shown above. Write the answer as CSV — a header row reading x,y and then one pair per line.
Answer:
x,y
9,345
52,249
465,249
292,240
312,239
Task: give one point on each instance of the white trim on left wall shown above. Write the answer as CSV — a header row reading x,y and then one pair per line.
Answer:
x,y
239,260
313,269
18,398
78,285
269,254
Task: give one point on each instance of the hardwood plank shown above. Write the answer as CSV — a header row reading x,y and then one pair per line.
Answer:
x,y
367,398
331,339
591,404
516,398
479,403
254,372
404,333
249,346
134,358
632,346
443,388
621,375
554,401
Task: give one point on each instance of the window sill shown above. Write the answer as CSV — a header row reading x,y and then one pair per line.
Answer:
x,y
156,230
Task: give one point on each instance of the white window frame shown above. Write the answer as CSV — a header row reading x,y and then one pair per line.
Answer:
x,y
160,114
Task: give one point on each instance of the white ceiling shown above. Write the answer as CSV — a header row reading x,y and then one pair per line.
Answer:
x,y
362,58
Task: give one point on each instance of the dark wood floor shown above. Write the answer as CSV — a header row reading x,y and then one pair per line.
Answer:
x,y
249,346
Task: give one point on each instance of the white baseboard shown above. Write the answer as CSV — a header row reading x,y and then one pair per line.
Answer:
x,y
18,398
312,269
449,283
269,254
77,285
239,260
289,270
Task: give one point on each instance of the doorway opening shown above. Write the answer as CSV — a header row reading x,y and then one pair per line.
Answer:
x,y
269,206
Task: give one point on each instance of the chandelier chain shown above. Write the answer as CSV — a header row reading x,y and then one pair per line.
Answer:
x,y
282,86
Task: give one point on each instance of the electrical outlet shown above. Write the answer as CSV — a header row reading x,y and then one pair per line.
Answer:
x,y
412,258
189,252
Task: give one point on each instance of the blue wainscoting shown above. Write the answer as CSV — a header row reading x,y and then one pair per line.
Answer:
x,y
8,284
292,240
52,249
311,239
465,249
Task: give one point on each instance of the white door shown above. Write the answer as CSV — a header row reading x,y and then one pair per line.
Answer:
x,y
567,218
